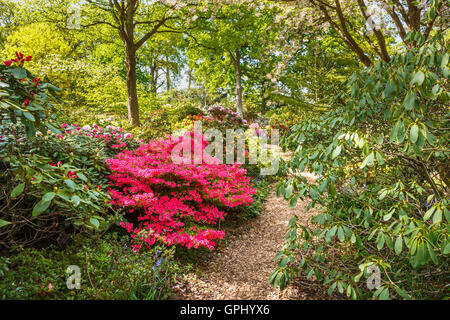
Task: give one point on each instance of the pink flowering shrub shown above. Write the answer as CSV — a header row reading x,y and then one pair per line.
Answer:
x,y
175,203
110,137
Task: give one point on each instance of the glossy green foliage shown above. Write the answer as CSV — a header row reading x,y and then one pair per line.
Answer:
x,y
382,163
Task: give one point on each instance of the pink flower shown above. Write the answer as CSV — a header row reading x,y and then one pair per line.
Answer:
x,y
168,198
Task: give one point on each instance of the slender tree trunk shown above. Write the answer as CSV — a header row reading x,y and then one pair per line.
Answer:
x,y
190,79
263,101
153,81
167,74
154,75
237,70
133,106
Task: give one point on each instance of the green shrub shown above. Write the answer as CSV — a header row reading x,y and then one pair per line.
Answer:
x,y
109,270
52,178
382,161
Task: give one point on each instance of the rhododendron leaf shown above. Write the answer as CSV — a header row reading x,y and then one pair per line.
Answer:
x,y
94,222
40,207
82,177
336,152
19,73
76,200
4,223
418,78
52,128
29,116
17,190
70,184
48,196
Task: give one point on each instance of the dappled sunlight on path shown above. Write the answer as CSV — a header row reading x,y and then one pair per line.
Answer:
x,y
242,270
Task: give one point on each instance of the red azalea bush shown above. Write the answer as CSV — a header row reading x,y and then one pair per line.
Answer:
x,y
175,203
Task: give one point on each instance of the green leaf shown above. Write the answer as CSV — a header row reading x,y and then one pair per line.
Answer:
x,y
380,243
380,158
17,190
390,90
384,295
401,132
94,222
394,133
341,235
336,152
313,193
444,61
358,276
332,288
289,190
383,194
417,78
29,116
368,160
432,254
402,293
48,196
429,213
437,218
82,177
293,202
446,249
76,200
414,133
4,223
410,101
422,254
19,73
70,184
388,216
398,245
40,207
52,128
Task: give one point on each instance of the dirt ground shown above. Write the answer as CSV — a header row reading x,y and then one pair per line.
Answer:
x,y
242,269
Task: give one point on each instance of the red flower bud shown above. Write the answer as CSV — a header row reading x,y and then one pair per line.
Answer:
x,y
8,63
26,103
28,58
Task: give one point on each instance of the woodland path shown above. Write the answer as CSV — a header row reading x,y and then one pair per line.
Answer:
x,y
241,269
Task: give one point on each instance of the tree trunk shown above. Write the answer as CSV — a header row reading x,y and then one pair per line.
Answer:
x,y
133,106
263,101
237,70
154,76
190,79
167,74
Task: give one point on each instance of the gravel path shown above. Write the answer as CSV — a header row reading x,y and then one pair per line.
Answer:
x,y
242,269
